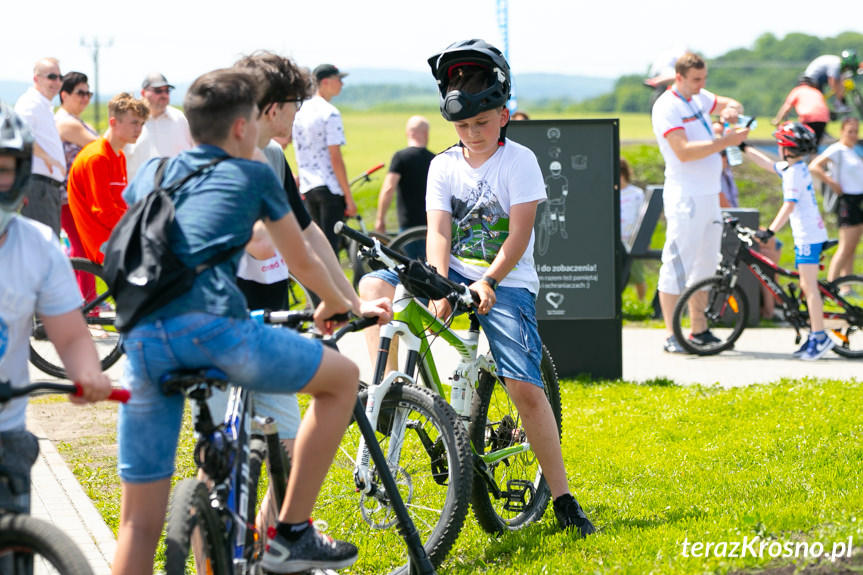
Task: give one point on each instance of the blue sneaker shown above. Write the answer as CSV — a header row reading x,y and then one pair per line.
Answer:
x,y
817,348
799,353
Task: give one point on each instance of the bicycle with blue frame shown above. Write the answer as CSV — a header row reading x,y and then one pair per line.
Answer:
x,y
498,472
211,524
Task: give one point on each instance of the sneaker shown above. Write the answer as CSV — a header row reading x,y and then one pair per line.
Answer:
x,y
671,345
799,353
816,349
704,338
570,515
313,550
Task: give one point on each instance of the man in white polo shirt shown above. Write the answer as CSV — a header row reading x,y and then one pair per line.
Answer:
x,y
693,167
166,132
49,162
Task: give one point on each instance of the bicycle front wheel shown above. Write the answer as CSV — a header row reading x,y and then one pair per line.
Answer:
x,y
433,473
844,322
194,539
511,492
99,313
725,311
30,545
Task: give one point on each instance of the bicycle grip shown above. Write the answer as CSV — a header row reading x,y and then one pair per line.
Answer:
x,y
117,393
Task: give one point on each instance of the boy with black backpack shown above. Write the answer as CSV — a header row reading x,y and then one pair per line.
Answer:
x,y
209,327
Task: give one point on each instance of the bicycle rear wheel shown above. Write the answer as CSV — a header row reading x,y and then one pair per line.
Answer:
x,y
30,545
411,242
192,522
99,313
433,475
512,492
844,324
725,310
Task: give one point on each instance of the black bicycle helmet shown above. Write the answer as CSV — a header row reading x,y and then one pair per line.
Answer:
x,y
797,138
457,105
850,61
15,140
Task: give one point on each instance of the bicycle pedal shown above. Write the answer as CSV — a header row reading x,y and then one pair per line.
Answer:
x,y
519,493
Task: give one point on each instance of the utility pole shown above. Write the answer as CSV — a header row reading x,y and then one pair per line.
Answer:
x,y
503,26
95,46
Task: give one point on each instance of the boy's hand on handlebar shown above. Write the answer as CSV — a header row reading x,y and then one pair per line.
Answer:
x,y
764,235
325,313
440,307
487,297
95,386
382,308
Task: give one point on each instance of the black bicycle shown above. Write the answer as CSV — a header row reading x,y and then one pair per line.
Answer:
x,y
211,525
99,312
726,307
30,545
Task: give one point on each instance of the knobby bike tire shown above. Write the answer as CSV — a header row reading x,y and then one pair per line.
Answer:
x,y
28,542
259,454
845,324
433,475
411,242
497,424
358,265
100,322
725,310
191,516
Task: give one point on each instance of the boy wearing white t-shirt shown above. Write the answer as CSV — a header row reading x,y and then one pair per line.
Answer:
x,y
796,142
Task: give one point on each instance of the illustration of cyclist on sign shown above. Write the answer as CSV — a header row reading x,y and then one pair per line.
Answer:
x,y
552,216
480,225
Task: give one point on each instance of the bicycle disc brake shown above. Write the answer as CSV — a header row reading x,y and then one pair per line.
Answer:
x,y
376,509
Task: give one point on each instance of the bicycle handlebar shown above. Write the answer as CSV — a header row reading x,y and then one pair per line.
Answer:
x,y
362,239
7,392
294,319
365,175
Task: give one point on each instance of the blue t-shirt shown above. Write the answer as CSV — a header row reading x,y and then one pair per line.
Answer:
x,y
215,212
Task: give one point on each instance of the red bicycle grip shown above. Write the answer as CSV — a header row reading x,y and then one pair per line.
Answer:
x,y
117,393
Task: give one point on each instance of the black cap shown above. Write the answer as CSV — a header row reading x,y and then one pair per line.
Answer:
x,y
155,80
327,70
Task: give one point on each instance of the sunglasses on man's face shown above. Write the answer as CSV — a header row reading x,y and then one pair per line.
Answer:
x,y
53,77
164,90
83,93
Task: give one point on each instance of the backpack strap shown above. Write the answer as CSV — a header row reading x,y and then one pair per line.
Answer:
x,y
177,184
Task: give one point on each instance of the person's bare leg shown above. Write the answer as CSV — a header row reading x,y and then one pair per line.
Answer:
x,y
641,290
842,262
334,392
269,513
142,516
809,284
697,303
541,428
667,301
371,288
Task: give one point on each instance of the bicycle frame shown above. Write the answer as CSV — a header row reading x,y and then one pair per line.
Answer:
x,y
761,265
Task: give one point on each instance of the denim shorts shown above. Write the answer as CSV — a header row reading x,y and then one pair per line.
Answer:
x,y
510,327
807,253
253,355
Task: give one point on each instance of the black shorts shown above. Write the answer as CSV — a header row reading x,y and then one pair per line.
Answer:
x,y
849,210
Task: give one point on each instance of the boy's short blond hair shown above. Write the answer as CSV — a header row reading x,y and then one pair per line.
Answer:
x,y
125,102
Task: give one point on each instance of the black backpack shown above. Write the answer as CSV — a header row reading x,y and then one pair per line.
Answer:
x,y
140,268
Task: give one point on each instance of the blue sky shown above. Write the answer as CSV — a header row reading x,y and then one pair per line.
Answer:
x,y
184,39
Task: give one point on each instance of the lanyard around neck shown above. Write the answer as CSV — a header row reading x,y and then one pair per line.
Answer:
x,y
698,114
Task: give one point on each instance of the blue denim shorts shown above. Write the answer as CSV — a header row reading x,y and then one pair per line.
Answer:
x,y
256,356
807,253
510,327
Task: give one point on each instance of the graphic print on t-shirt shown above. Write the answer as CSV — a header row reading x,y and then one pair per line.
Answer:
x,y
480,226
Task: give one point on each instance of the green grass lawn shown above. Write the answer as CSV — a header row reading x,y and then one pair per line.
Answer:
x,y
656,465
